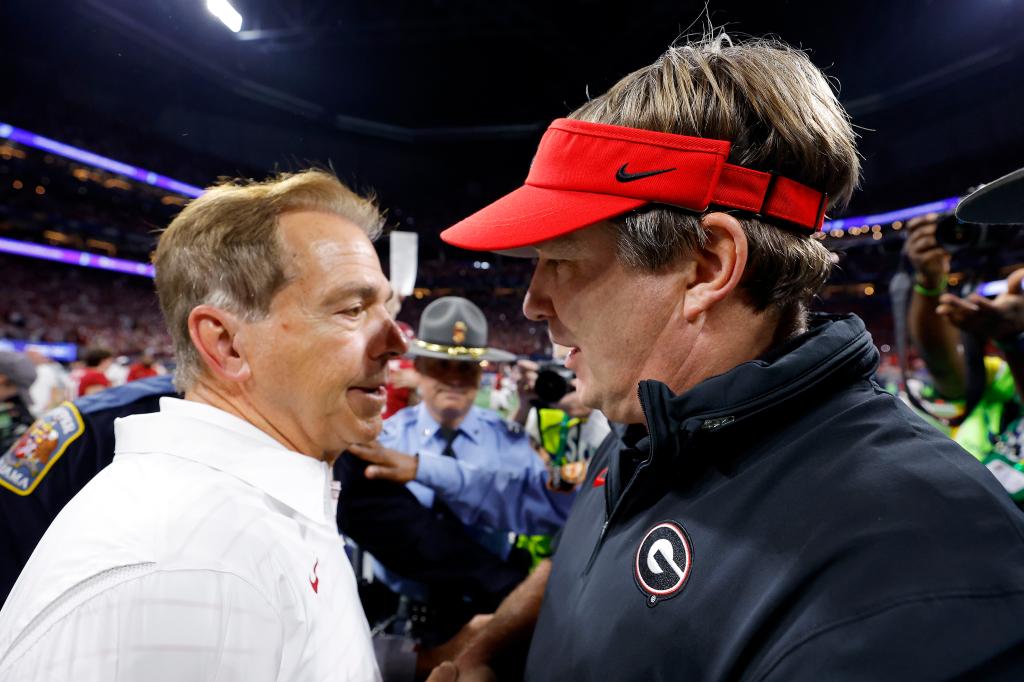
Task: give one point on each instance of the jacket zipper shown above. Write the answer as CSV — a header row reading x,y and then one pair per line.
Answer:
x,y
712,421
618,503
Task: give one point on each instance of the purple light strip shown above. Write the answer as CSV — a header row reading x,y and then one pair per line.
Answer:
x,y
66,352
81,155
72,257
940,206
149,177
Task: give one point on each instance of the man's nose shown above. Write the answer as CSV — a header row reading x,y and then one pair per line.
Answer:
x,y
537,304
392,341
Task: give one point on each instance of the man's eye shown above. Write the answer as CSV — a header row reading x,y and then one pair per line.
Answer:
x,y
354,311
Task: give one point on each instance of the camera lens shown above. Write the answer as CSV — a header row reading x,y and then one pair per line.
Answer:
x,y
955,235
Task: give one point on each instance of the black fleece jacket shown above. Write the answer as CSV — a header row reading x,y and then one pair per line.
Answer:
x,y
786,520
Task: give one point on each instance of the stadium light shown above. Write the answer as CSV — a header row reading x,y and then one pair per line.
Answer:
x,y
227,14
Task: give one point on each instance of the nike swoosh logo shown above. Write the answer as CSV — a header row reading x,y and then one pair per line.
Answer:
x,y
622,175
315,584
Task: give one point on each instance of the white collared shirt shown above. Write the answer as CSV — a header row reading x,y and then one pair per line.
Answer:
x,y
205,551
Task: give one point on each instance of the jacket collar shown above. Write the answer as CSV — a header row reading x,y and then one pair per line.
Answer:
x,y
836,350
207,435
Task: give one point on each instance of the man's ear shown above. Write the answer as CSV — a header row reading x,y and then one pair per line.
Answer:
x,y
718,265
214,334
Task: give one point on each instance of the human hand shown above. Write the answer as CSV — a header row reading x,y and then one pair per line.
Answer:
x,y
429,659
573,405
929,258
526,379
449,672
999,319
385,463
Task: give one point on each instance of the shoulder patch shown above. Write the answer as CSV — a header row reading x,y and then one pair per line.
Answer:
x,y
25,464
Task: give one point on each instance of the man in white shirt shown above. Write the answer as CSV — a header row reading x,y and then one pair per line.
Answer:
x,y
208,550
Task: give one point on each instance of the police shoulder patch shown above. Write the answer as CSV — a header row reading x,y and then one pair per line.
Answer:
x,y
25,464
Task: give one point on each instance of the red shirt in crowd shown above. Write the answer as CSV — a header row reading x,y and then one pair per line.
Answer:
x,y
141,371
92,379
398,396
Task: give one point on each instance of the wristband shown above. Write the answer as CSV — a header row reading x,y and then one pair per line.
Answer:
x,y
931,293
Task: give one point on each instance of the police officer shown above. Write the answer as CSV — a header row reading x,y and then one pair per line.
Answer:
x,y
55,458
449,452
17,374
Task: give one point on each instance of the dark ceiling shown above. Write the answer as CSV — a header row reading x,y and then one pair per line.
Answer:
x,y
438,104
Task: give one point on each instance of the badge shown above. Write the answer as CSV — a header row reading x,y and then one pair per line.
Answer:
x,y
459,333
25,464
663,562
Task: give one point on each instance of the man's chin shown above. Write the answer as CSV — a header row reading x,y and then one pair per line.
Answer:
x,y
587,396
450,413
365,430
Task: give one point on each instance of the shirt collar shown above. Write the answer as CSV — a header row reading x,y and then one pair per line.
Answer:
x,y
210,436
427,427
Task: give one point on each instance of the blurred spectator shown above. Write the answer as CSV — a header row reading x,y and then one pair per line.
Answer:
x,y
17,373
402,378
51,387
143,368
991,428
93,377
50,302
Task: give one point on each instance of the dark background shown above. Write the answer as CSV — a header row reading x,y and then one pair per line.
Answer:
x,y
438,104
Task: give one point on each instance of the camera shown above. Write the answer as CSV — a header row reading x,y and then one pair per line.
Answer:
x,y
553,382
954,235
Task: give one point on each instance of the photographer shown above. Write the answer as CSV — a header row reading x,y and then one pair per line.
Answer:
x,y
562,428
991,429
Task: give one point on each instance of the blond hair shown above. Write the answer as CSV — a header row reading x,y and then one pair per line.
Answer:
x,y
780,114
224,249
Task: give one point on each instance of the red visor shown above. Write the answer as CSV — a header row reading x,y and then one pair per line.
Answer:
x,y
587,172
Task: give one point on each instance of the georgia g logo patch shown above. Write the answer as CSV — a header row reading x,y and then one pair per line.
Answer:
x,y
663,562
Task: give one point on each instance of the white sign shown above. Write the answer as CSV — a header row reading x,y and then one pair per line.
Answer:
x,y
404,257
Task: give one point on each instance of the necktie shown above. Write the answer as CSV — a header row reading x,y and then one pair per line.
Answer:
x,y
449,436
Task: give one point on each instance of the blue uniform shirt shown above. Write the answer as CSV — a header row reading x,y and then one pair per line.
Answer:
x,y
496,479
496,484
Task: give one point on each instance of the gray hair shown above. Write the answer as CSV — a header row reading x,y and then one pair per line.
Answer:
x,y
224,250
780,114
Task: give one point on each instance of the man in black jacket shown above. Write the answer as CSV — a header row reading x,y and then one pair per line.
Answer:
x,y
769,513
